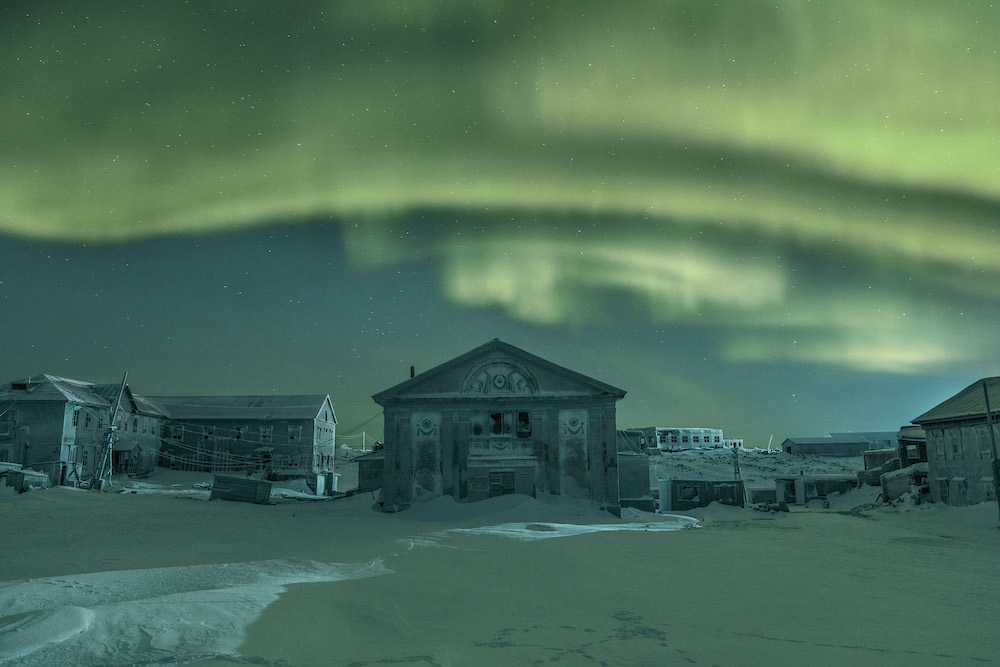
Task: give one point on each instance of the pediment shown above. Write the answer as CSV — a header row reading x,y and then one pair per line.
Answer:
x,y
497,370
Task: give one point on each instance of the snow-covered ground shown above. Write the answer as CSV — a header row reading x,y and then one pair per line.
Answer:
x,y
93,578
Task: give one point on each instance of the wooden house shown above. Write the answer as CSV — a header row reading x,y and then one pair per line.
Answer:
x,y
499,420
283,436
61,426
959,446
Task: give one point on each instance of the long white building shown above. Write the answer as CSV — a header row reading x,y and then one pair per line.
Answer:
x,y
667,438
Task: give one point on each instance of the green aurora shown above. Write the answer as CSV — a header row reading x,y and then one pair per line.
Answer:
x,y
815,183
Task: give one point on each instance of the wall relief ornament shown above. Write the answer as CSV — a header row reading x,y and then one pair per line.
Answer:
x,y
500,378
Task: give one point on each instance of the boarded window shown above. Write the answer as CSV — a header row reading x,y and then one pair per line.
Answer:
x,y
501,482
961,492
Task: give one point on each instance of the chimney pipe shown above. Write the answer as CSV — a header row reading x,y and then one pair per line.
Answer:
x,y
413,371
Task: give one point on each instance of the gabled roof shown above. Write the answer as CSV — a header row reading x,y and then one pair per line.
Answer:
x,y
54,388
968,403
446,380
242,407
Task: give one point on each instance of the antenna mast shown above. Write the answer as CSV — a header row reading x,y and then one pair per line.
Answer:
x,y
104,463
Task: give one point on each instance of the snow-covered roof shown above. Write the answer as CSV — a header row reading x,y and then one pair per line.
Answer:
x,y
968,403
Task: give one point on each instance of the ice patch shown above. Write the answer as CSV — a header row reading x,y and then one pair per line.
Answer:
x,y
162,616
544,531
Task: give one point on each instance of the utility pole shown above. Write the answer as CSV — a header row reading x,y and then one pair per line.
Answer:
x,y
104,463
995,463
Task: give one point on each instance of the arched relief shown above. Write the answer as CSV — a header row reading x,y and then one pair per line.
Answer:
x,y
500,377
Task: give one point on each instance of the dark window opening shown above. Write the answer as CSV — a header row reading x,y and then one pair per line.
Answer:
x,y
496,423
688,493
523,425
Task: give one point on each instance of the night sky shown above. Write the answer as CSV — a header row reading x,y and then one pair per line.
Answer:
x,y
773,218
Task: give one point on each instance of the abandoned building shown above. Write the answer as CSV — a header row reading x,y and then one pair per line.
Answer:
x,y
800,489
678,495
959,446
282,435
60,426
499,420
843,444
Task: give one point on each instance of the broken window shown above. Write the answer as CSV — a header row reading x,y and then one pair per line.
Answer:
x,y
265,433
523,425
688,493
294,433
496,423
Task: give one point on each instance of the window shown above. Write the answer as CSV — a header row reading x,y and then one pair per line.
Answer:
x,y
523,425
86,420
694,439
496,423
265,433
985,445
86,452
135,425
76,418
684,439
239,433
207,432
294,433
943,490
176,432
961,492
989,491
501,482
689,493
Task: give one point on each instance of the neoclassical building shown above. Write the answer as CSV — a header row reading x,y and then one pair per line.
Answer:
x,y
499,420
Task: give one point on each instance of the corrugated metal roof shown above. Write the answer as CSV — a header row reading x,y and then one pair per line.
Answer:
x,y
241,407
970,402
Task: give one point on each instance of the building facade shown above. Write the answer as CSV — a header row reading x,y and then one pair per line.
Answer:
x,y
499,420
959,447
843,445
282,435
61,426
